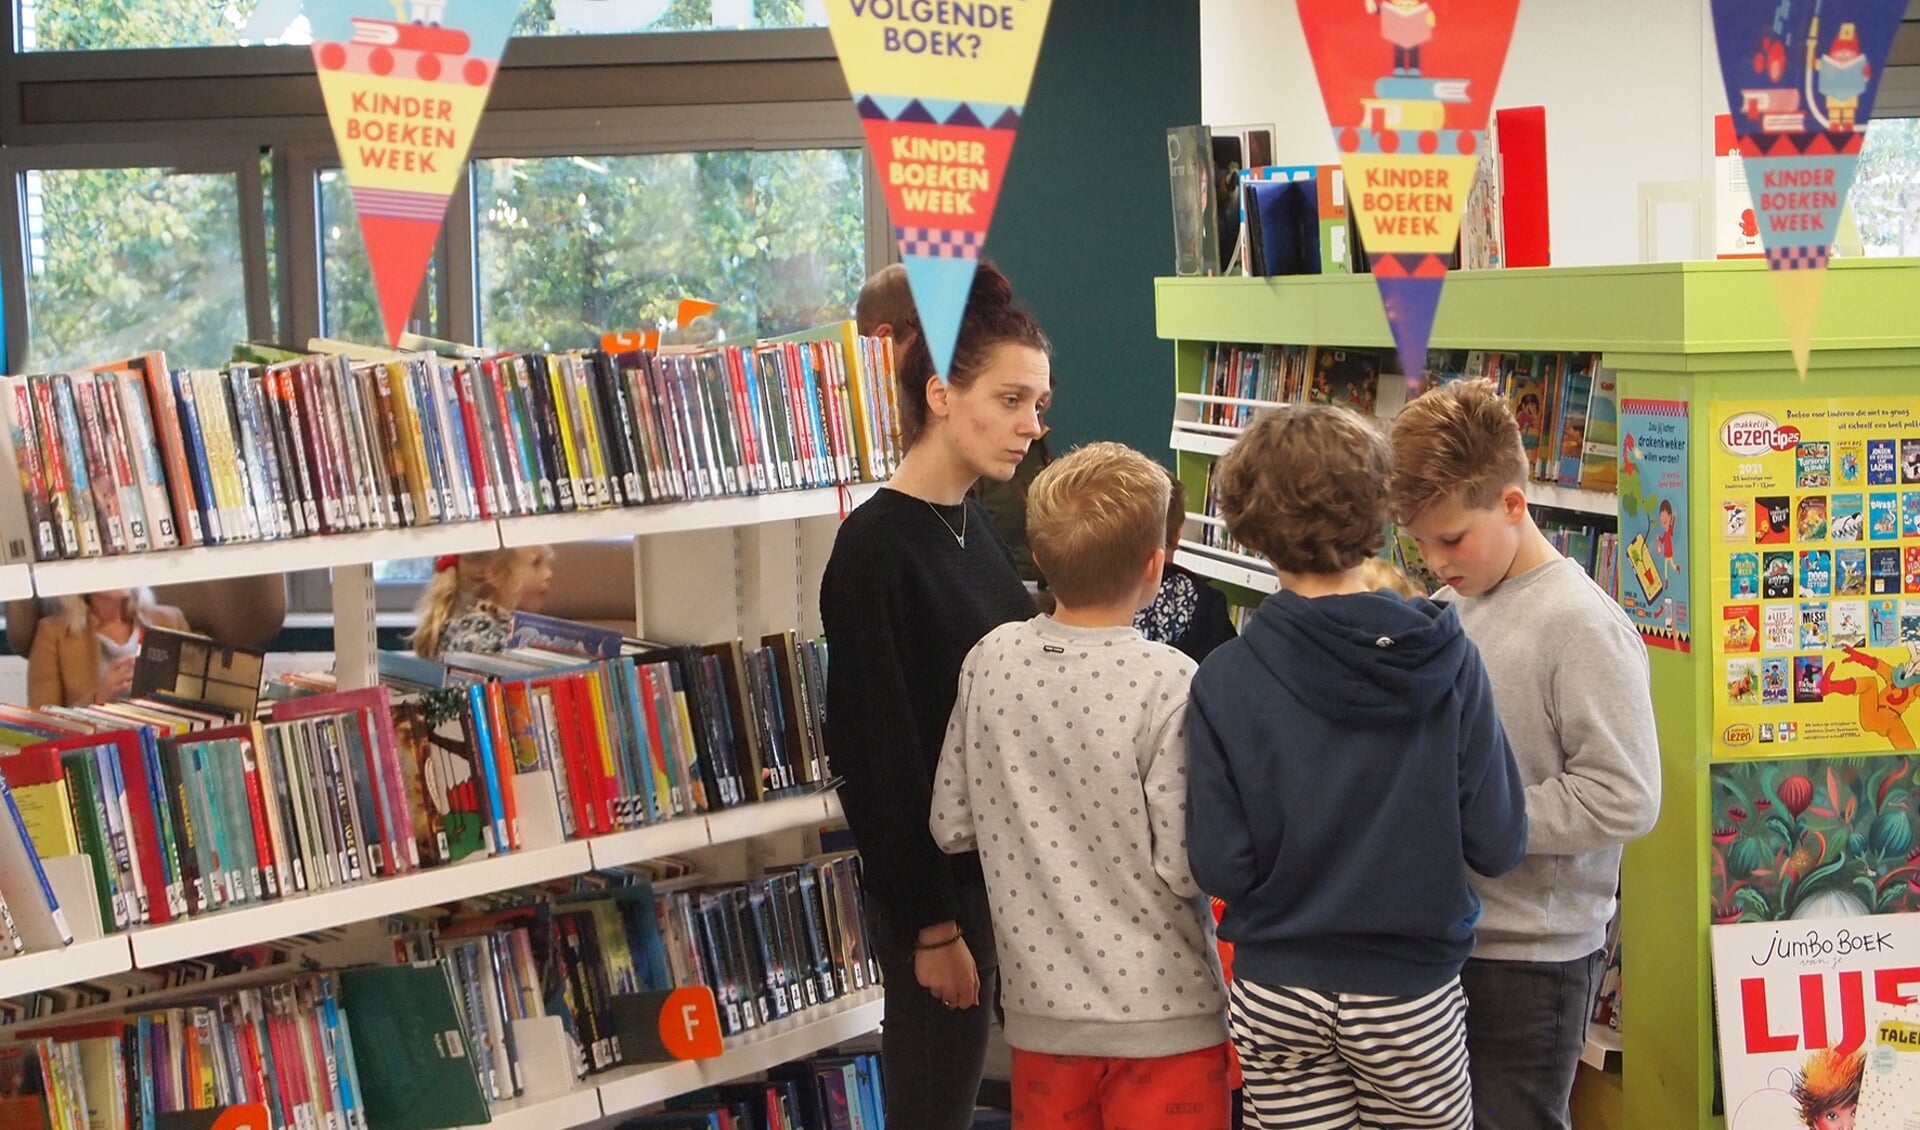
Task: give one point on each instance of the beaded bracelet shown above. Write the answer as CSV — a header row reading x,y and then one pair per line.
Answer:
x,y
957,935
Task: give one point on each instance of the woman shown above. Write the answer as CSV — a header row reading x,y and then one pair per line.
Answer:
x,y
83,651
918,577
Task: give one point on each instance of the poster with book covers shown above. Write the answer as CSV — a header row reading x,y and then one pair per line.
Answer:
x,y
1794,1002
1653,486
1815,574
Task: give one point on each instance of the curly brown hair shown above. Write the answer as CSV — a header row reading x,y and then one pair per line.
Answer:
x,y
993,318
1306,488
1458,444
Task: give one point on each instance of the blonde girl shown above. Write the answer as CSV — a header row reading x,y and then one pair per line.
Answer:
x,y
470,602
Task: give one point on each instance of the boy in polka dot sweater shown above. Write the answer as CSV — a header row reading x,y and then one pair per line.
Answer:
x,y
1065,768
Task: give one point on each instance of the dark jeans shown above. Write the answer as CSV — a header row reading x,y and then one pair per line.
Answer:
x,y
931,1056
1526,1024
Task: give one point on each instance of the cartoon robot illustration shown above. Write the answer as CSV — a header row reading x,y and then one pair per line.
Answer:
x,y
1407,25
1843,73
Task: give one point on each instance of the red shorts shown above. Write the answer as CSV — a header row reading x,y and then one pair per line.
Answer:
x,y
1183,1092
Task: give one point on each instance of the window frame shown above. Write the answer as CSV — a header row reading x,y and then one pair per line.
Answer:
x,y
220,109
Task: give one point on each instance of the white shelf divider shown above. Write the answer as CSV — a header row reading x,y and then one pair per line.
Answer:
x,y
81,961
206,563
1233,568
245,926
819,1027
1572,498
785,814
1199,444
680,517
577,1107
16,582
1601,1041
669,837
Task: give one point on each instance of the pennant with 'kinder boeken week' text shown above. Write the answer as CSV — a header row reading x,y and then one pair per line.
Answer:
x,y
1801,76
1409,85
940,88
405,82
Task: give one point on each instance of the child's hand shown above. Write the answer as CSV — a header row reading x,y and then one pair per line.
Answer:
x,y
946,971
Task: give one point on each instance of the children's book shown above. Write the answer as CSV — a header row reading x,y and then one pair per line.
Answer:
x,y
1346,376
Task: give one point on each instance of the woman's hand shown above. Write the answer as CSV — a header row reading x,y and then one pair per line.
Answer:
x,y
946,970
115,681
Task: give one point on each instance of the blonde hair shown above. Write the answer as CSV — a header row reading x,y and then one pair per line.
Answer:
x,y
1306,488
466,578
1379,573
1458,444
1093,519
74,610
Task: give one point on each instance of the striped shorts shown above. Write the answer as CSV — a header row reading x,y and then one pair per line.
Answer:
x,y
1319,1061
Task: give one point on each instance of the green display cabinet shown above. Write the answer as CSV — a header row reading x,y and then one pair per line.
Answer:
x,y
1695,332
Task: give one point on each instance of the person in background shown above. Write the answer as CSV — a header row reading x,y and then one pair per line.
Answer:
x,y
1382,575
1098,1042
84,651
471,598
917,576
886,301
1186,611
1570,676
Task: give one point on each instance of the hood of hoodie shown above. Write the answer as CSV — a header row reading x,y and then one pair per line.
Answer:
x,y
1369,659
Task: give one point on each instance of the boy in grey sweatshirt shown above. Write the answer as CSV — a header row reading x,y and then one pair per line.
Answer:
x,y
1065,768
1570,681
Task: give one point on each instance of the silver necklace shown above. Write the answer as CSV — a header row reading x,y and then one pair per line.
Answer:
x,y
960,535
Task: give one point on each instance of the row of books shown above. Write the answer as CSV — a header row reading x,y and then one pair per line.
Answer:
x,y
181,812
1594,549
634,732
768,948
131,456
831,1092
1286,374
1565,403
1606,1000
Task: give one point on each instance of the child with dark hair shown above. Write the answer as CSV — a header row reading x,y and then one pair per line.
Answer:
x,y
1186,612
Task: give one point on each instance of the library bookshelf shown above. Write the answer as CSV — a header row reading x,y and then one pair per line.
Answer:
x,y
1692,332
706,570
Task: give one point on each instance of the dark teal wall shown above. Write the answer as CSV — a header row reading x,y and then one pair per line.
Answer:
x,y
1084,224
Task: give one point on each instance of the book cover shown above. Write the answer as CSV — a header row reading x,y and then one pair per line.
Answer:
x,y
414,1067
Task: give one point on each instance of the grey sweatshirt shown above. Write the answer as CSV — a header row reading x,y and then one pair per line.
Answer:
x,y
1065,766
1569,679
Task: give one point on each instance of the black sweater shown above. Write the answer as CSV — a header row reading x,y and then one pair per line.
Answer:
x,y
902,604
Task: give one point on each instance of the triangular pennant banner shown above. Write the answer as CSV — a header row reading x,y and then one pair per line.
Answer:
x,y
1801,76
924,78
1408,86
405,84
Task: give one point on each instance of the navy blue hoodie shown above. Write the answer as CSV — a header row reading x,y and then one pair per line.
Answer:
x,y
1346,768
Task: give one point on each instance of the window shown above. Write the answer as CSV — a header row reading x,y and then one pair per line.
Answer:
x,y
125,260
570,247
1886,188
83,25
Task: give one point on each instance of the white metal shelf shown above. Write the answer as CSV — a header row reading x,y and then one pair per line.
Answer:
x,y
1601,1042
678,517
579,1106
815,1028
82,961
249,925
207,563
1222,565
687,833
1199,443
16,582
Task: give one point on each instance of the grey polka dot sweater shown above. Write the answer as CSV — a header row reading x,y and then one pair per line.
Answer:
x,y
1065,768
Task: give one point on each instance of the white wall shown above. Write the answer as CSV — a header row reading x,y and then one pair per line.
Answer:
x,y
1630,88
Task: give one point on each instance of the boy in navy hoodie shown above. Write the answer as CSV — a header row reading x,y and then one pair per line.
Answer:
x,y
1347,767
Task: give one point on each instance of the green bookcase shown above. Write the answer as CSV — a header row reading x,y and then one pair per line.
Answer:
x,y
1697,332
